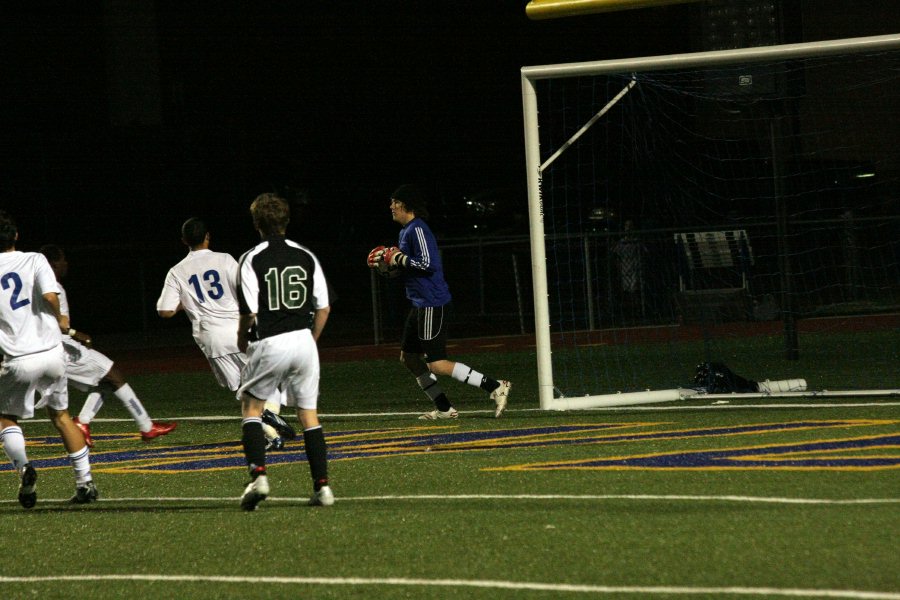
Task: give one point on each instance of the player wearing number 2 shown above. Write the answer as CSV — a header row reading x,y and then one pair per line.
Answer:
x,y
31,322
284,306
203,284
423,349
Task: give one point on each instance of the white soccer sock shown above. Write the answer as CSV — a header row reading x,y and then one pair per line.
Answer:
x,y
429,384
14,445
466,374
81,464
134,406
92,405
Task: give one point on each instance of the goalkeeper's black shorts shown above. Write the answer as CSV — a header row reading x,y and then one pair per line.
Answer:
x,y
425,332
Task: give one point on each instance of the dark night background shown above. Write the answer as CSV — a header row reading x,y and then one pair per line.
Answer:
x,y
121,119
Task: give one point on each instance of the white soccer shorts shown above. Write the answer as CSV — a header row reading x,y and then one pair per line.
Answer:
x,y
227,369
22,377
85,367
289,361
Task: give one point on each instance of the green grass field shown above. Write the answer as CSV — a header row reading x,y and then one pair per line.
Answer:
x,y
753,498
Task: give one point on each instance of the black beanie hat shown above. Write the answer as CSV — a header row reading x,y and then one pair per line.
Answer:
x,y
412,197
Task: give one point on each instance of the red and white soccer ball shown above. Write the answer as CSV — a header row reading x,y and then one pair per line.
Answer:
x,y
386,270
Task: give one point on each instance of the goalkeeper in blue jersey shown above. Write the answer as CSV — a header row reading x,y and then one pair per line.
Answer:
x,y
423,349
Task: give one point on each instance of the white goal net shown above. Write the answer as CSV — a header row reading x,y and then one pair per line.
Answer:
x,y
739,207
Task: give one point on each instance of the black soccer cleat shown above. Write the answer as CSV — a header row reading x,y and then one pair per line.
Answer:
x,y
85,494
275,444
280,425
27,493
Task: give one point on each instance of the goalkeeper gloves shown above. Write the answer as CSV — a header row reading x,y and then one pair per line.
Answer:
x,y
375,256
394,257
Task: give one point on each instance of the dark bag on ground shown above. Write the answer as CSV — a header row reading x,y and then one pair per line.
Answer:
x,y
719,379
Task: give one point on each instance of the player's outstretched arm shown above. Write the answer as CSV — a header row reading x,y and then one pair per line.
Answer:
x,y
80,336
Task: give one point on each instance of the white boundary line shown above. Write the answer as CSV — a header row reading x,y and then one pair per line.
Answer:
x,y
496,584
673,497
473,583
647,408
467,497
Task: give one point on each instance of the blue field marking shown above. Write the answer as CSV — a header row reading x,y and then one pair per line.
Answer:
x,y
405,441
55,442
767,457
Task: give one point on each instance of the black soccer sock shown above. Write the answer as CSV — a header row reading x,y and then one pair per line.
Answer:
x,y
317,455
254,441
489,385
442,403
429,384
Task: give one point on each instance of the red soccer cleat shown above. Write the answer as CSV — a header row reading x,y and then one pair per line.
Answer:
x,y
86,430
157,430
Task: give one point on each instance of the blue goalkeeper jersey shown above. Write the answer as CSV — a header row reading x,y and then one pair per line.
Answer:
x,y
424,273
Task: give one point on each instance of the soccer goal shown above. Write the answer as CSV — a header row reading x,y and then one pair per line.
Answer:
x,y
737,206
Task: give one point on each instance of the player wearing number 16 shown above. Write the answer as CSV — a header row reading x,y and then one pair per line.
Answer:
x,y
283,298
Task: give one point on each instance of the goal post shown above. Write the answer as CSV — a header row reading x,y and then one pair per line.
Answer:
x,y
581,165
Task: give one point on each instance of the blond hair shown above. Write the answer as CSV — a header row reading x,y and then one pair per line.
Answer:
x,y
271,214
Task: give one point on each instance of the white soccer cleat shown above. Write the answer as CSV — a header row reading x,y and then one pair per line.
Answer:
x,y
500,396
255,492
324,497
440,414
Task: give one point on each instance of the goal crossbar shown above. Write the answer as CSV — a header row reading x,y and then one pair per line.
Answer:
x,y
712,58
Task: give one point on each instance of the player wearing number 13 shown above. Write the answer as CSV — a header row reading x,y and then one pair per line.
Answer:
x,y
283,298
204,285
